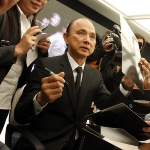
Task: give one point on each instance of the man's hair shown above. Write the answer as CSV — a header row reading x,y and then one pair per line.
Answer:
x,y
71,23
69,26
139,36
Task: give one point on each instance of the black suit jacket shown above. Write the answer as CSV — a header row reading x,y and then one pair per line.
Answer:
x,y
60,119
7,58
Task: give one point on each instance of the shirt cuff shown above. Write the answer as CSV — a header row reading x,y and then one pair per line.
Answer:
x,y
123,91
38,108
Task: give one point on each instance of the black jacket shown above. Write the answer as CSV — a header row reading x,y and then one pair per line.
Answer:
x,y
60,119
7,58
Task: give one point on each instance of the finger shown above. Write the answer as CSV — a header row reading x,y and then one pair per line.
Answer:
x,y
45,42
34,32
146,129
43,48
144,146
53,97
145,62
45,39
145,71
54,78
32,29
148,122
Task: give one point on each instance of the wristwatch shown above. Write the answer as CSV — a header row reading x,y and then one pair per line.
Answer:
x,y
126,87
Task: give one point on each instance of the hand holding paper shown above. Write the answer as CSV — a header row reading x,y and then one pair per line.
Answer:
x,y
44,45
41,43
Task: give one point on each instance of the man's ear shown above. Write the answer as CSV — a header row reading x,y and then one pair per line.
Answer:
x,y
65,35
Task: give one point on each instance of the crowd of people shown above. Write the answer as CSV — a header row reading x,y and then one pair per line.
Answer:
x,y
54,110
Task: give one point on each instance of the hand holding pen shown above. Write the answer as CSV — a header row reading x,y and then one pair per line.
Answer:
x,y
52,73
51,88
43,44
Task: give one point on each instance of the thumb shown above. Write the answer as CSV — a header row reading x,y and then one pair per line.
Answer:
x,y
61,74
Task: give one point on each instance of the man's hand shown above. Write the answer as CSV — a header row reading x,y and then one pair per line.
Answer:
x,y
51,89
145,67
144,146
147,129
128,82
44,45
107,44
27,41
147,145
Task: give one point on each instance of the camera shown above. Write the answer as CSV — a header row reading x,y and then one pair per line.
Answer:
x,y
113,58
116,47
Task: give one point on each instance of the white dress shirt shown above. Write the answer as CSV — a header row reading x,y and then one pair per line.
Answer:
x,y
10,82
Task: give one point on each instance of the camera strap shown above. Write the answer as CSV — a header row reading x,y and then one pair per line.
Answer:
x,y
5,34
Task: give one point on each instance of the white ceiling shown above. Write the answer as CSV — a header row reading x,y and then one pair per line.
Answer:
x,y
136,13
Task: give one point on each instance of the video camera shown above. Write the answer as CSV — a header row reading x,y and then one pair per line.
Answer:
x,y
113,58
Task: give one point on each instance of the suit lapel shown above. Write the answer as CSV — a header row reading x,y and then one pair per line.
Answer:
x,y
87,75
65,66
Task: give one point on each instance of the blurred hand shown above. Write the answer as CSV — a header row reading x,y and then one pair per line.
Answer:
x,y
51,89
145,70
147,129
128,82
44,45
145,67
27,41
107,44
147,145
144,146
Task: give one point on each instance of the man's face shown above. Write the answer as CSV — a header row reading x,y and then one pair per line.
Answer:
x,y
6,4
81,39
55,20
147,82
31,6
140,41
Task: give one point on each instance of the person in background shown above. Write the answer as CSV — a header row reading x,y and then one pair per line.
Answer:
x,y
4,6
57,104
141,41
58,45
115,74
17,39
53,23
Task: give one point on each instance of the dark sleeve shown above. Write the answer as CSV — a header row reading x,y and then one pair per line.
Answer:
x,y
6,52
113,81
104,100
24,111
7,55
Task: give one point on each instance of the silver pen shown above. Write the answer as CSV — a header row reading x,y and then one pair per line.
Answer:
x,y
52,73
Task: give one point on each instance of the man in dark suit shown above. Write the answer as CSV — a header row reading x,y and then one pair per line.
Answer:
x,y
51,106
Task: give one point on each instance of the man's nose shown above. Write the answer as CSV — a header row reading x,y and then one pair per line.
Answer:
x,y
87,39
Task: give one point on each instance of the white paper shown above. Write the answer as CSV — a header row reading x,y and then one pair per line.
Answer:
x,y
121,145
119,135
130,55
33,53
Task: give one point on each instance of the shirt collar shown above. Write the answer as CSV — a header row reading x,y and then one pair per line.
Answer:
x,y
73,63
30,17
